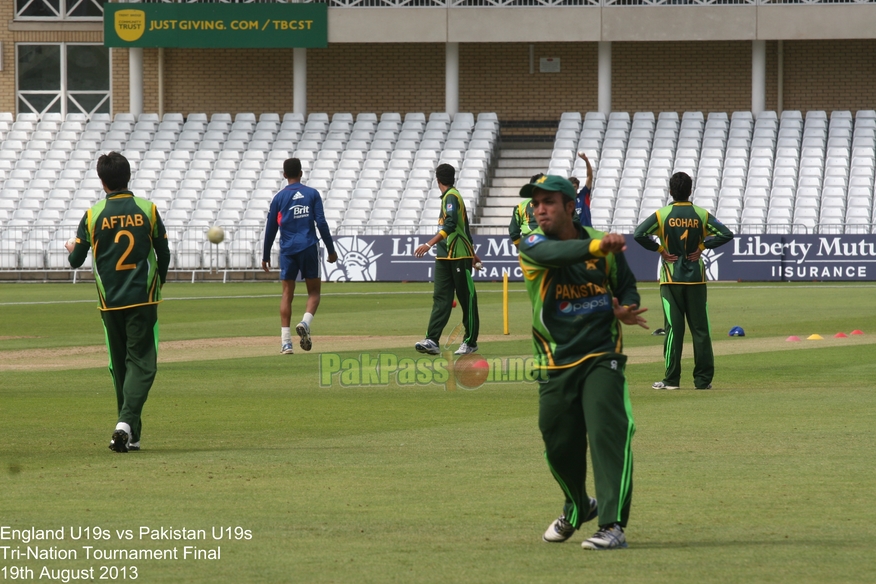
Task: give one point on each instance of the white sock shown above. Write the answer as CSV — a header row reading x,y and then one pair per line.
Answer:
x,y
308,318
285,334
124,426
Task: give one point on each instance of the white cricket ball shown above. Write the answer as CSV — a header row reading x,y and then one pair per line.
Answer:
x,y
215,234
71,241
478,266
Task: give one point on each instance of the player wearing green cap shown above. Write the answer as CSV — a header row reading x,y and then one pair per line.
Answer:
x,y
130,258
581,289
682,230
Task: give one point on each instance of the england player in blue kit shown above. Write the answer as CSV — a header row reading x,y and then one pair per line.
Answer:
x,y
296,212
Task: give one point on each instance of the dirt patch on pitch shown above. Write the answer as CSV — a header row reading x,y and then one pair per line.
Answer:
x,y
206,350
243,347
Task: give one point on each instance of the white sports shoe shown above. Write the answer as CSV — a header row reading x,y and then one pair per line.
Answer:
x,y
610,537
558,531
561,530
428,346
465,349
661,385
287,349
304,332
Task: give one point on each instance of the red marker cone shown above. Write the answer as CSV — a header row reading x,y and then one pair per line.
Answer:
x,y
841,336
792,338
857,332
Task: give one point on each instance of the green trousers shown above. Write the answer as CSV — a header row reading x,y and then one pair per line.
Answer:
x,y
454,277
590,402
690,302
132,342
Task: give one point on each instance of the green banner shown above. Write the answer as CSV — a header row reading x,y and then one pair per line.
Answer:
x,y
215,26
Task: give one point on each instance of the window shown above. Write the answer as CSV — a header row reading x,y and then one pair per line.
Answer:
x,y
63,78
59,9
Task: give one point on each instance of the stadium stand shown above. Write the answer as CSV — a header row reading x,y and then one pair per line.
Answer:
x,y
376,175
769,174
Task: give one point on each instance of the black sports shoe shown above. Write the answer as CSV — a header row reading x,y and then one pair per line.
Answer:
x,y
706,387
119,442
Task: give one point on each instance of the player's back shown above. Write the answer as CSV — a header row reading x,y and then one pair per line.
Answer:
x,y
683,226
297,207
121,229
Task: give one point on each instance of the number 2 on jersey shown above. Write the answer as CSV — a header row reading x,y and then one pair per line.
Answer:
x,y
120,265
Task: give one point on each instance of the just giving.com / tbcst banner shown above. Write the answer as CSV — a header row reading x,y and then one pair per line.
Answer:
x,y
206,26
762,258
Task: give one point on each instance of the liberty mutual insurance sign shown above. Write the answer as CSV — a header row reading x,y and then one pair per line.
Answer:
x,y
752,258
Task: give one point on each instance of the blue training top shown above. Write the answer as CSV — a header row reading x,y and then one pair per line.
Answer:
x,y
294,212
582,207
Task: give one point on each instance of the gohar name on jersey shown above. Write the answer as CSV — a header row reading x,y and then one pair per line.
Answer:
x,y
682,222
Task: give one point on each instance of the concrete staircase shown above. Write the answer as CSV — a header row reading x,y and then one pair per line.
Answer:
x,y
517,162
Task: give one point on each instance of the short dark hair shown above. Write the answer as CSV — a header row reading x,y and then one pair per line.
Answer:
x,y
535,177
114,171
445,174
679,186
575,182
292,168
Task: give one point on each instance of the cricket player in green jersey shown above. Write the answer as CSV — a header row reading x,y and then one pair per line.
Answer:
x,y
684,231
453,264
523,218
130,257
581,290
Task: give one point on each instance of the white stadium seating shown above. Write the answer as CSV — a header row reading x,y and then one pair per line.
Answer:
x,y
770,174
374,175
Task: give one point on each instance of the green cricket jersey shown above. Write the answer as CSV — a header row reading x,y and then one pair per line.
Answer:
x,y
129,248
682,228
456,242
522,221
571,284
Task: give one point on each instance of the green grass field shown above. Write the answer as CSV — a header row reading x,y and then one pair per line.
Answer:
x,y
768,478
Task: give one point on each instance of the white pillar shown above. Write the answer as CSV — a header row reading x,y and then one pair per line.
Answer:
x,y
299,81
758,77
451,82
604,77
135,80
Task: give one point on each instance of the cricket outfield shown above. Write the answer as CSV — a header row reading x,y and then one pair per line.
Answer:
x,y
767,478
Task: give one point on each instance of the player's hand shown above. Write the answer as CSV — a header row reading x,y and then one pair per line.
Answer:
x,y
69,245
266,266
668,257
332,258
583,157
695,256
629,314
612,243
422,250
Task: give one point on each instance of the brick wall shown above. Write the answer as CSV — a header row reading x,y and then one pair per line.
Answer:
x,y
496,77
376,78
682,76
221,80
830,75
648,76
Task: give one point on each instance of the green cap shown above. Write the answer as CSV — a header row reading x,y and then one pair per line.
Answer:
x,y
549,182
